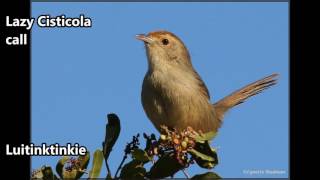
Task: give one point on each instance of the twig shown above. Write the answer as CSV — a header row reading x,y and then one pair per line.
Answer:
x,y
108,169
185,173
120,166
129,148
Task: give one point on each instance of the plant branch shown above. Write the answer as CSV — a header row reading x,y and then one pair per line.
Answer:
x,y
186,173
108,169
120,166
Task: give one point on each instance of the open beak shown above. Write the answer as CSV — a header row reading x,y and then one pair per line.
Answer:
x,y
144,38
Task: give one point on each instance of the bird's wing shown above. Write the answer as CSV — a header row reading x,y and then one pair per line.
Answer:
x,y
202,86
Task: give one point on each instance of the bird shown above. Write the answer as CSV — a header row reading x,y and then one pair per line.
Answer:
x,y
173,93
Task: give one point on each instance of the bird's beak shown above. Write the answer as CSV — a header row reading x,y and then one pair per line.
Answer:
x,y
144,38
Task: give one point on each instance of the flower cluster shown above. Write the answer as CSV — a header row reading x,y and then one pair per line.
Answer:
x,y
73,163
172,141
35,172
134,144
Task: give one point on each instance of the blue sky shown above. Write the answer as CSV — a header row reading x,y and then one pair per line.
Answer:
x,y
79,75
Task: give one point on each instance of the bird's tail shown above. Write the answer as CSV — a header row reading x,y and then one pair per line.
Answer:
x,y
239,96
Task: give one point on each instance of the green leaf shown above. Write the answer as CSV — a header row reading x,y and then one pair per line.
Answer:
x,y
206,136
207,175
70,174
200,155
141,155
97,164
60,166
47,173
112,133
133,170
84,161
204,155
166,166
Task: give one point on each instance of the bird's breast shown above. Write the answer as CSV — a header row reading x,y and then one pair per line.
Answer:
x,y
175,101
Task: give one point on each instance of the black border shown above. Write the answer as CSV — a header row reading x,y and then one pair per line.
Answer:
x,y
297,107
15,84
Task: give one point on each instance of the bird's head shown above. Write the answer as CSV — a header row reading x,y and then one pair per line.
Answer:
x,y
165,49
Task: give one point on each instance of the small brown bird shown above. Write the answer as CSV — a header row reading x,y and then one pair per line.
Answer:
x,y
174,95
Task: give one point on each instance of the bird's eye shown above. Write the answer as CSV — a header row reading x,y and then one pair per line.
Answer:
x,y
165,41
